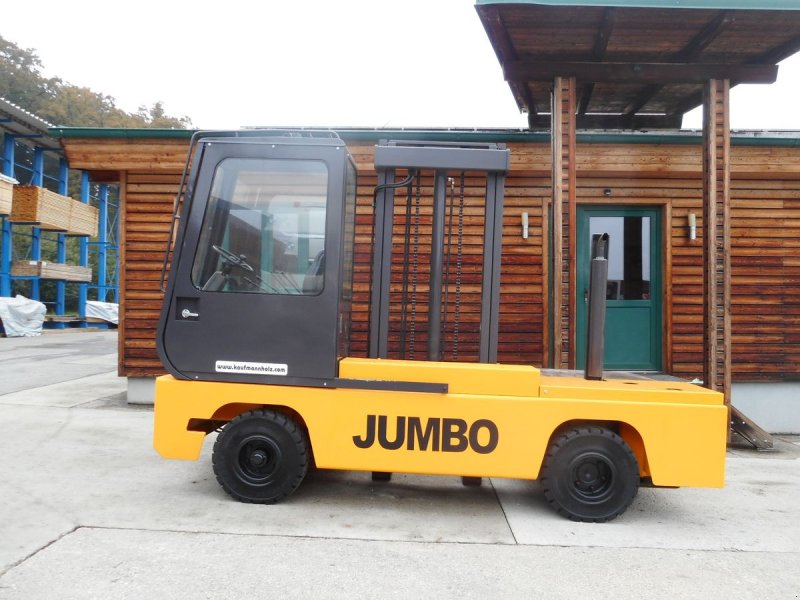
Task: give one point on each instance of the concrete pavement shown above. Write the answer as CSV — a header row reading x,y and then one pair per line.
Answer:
x,y
90,511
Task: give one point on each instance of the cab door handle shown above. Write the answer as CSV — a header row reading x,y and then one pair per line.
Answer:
x,y
187,314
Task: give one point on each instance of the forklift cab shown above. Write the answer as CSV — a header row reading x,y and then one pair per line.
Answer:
x,y
261,280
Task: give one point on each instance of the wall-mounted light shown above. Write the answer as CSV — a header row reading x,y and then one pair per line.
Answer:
x,y
692,226
607,192
524,226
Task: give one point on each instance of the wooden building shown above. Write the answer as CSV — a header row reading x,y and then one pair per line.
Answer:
x,y
705,225
633,175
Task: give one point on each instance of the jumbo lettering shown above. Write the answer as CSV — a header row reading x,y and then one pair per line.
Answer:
x,y
435,435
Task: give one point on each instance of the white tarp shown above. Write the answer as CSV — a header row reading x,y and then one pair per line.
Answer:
x,y
108,311
21,316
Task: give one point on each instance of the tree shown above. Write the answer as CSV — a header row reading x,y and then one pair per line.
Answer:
x,y
22,82
155,116
80,106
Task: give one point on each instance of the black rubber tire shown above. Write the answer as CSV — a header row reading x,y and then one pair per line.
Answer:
x,y
261,457
590,474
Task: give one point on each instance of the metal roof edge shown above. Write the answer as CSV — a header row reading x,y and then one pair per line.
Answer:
x,y
685,4
23,124
103,132
354,134
23,116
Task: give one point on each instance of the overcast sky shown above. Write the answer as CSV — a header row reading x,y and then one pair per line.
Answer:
x,y
415,63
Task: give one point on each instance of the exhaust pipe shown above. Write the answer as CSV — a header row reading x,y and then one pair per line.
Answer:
x,y
596,322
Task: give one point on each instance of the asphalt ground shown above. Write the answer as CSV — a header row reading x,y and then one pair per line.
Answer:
x,y
89,510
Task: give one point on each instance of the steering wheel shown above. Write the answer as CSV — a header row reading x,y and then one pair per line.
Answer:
x,y
233,259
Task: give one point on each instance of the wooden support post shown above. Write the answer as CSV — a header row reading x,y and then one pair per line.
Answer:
x,y
717,257
562,142
716,238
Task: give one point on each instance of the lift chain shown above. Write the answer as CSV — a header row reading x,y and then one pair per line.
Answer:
x,y
415,271
449,259
404,288
459,262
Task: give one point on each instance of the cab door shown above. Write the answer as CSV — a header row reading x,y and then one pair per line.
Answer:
x,y
253,292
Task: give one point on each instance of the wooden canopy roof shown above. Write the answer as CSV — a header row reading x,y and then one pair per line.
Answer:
x,y
639,63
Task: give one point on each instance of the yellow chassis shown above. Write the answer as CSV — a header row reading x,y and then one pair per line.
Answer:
x,y
495,420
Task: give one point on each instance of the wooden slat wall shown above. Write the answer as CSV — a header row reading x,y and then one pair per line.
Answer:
x,y
134,155
765,247
765,265
149,198
523,275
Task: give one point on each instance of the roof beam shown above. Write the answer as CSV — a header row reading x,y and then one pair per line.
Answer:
x,y
603,121
604,33
598,53
638,72
105,176
586,97
773,56
691,51
689,103
646,94
778,54
504,49
703,39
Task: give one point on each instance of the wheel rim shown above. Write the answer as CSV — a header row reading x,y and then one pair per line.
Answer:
x,y
592,477
258,460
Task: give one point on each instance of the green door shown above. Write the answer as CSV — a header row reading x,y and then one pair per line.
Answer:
x,y
633,338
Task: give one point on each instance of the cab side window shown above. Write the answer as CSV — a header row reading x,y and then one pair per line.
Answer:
x,y
264,228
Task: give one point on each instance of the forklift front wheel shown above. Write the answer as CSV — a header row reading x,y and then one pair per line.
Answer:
x,y
590,474
261,456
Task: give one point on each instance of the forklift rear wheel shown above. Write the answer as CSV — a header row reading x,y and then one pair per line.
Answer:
x,y
590,474
261,456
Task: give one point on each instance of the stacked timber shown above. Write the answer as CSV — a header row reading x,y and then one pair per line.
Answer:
x,y
6,194
51,270
83,219
54,212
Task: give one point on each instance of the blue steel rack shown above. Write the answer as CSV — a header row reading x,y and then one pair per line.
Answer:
x,y
105,284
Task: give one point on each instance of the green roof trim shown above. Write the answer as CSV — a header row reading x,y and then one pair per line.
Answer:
x,y
103,132
698,4
522,136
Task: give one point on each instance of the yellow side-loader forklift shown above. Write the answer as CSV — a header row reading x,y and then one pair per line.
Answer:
x,y
255,332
